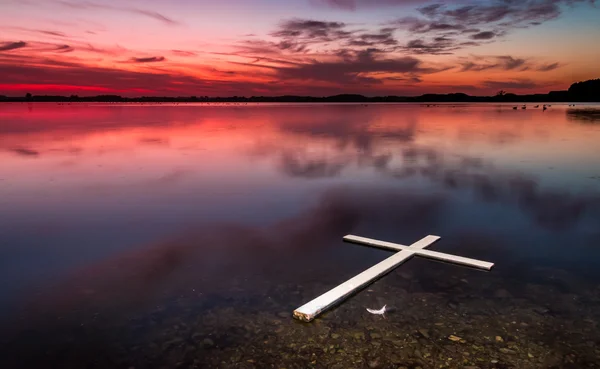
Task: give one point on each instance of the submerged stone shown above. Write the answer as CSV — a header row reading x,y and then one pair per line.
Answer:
x,y
454,338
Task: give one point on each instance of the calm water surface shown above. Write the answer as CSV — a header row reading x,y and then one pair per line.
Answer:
x,y
162,236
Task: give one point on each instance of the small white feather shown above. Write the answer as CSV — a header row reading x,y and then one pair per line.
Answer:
x,y
377,312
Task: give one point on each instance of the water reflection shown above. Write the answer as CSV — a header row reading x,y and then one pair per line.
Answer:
x,y
584,115
24,151
392,152
154,235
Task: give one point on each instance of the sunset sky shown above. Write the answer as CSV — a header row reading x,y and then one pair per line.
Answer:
x,y
307,47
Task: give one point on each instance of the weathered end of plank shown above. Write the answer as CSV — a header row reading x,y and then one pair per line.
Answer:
x,y
435,255
312,309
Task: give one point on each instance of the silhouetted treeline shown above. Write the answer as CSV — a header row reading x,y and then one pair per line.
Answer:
x,y
581,91
586,90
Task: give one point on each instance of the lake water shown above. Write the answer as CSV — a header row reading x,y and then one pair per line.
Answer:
x,y
164,236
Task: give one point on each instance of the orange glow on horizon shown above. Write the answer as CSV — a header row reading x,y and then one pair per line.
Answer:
x,y
179,48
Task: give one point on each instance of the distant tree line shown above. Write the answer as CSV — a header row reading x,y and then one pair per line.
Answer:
x,y
586,91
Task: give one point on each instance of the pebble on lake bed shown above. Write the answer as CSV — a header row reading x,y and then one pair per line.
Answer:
x,y
455,338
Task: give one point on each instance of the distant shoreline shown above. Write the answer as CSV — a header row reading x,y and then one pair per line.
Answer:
x,y
553,97
579,92
236,103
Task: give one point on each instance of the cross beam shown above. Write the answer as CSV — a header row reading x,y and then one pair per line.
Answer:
x,y
310,310
425,253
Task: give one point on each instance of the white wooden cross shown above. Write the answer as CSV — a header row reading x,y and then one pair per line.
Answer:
x,y
310,310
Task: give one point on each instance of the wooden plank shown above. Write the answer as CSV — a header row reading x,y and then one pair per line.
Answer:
x,y
435,255
310,310
372,242
454,259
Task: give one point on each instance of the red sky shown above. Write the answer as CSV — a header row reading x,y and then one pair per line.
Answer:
x,y
309,47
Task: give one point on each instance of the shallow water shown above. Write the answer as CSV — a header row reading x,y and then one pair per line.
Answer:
x,y
162,236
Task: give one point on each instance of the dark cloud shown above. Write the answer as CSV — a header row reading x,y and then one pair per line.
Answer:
x,y
64,49
150,59
52,33
355,4
86,80
504,62
183,53
273,60
9,61
438,46
384,37
514,84
358,57
291,46
433,37
310,29
7,46
502,16
255,48
417,25
43,69
430,10
50,47
37,47
486,35
509,13
154,15
353,69
548,67
509,63
300,35
470,66
91,48
93,5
